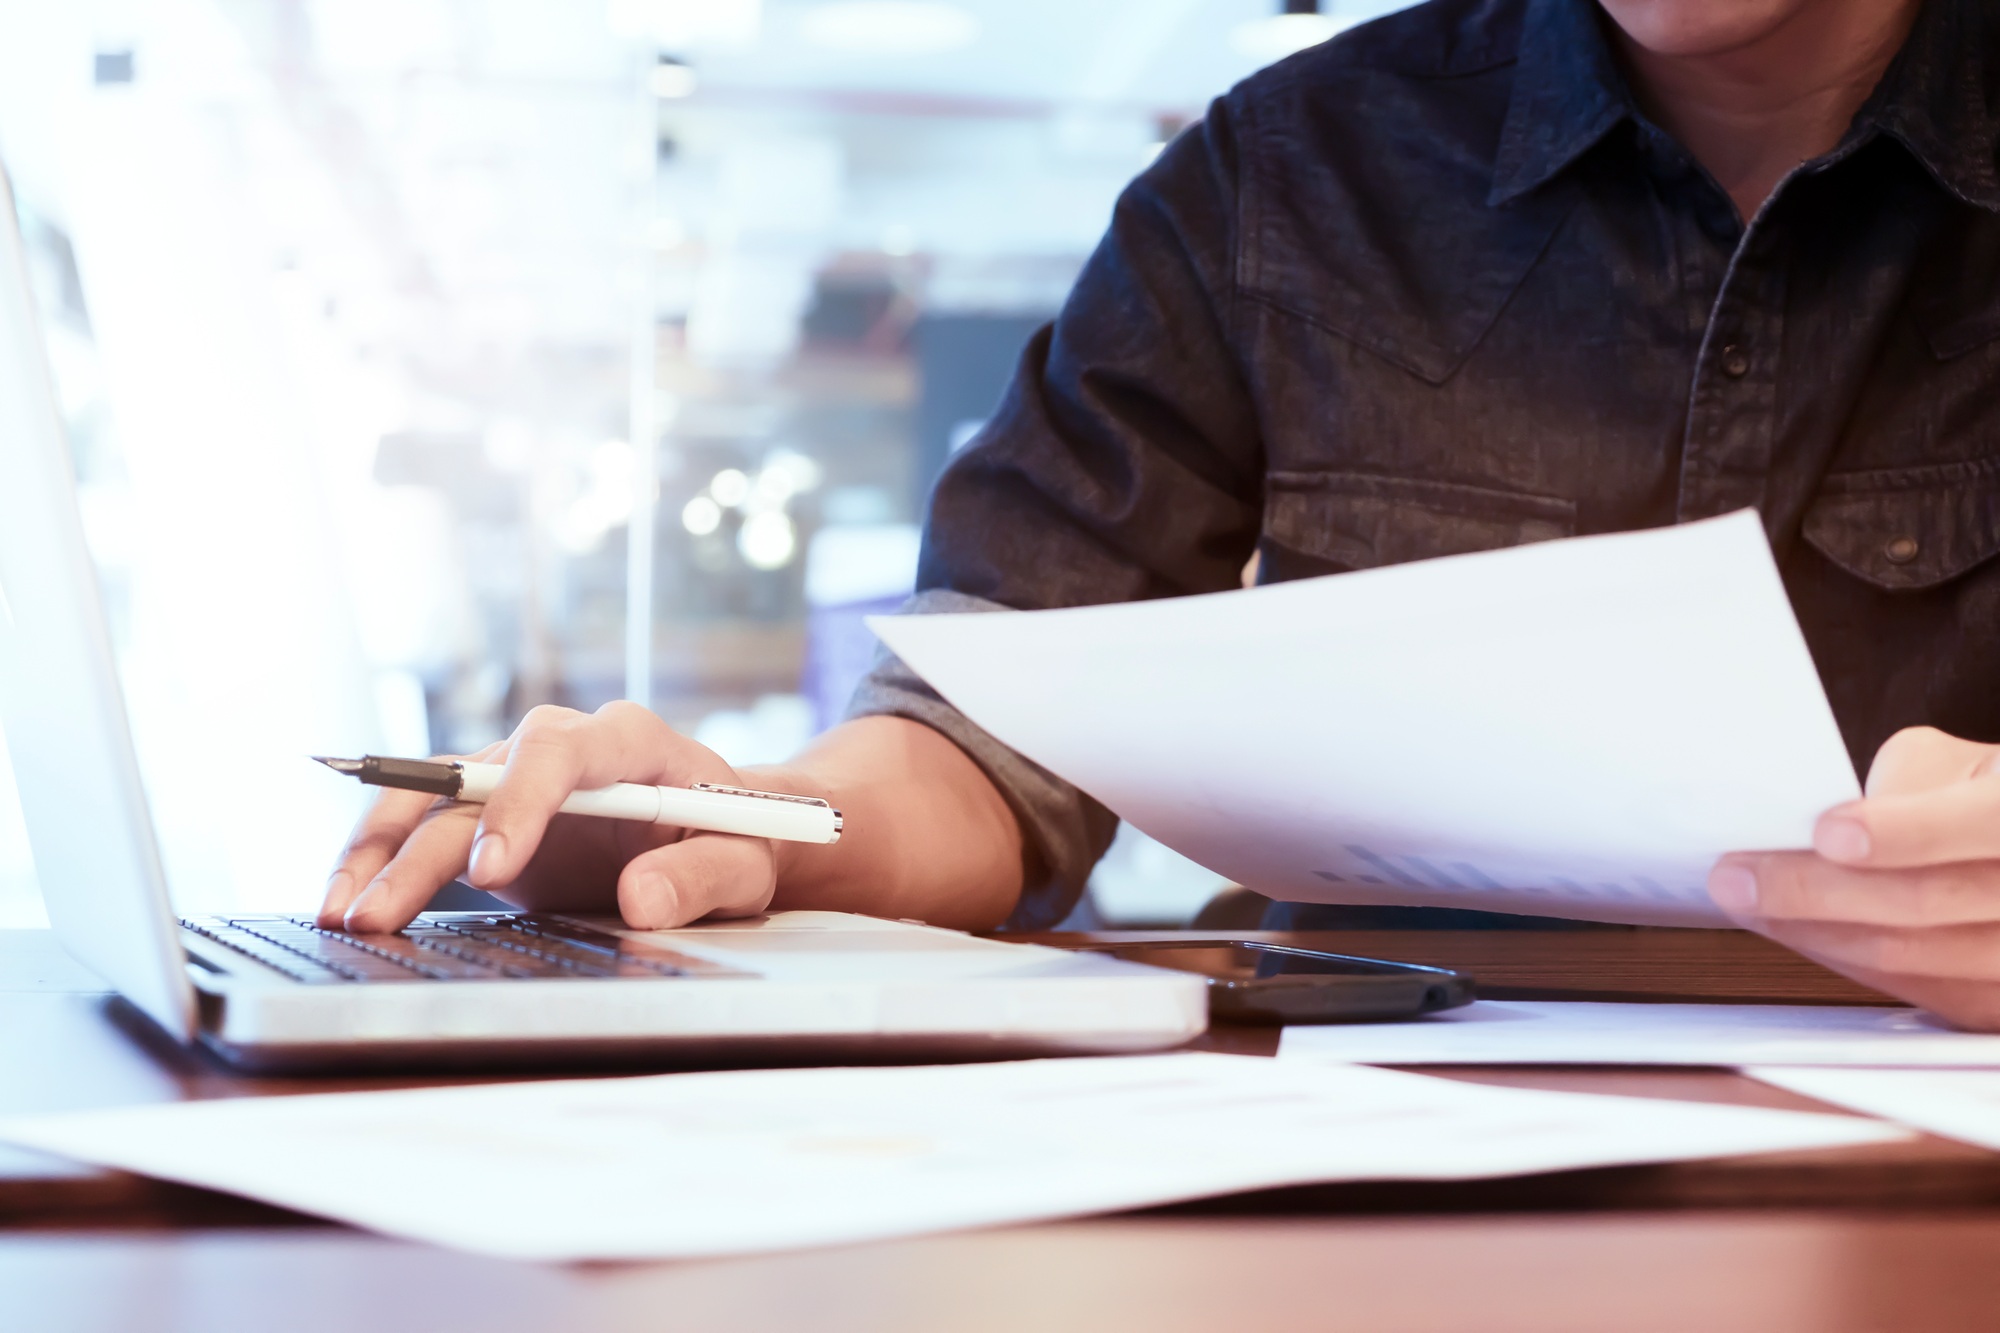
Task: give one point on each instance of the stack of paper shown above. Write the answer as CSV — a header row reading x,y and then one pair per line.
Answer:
x,y
1578,728
1961,1104
1493,1032
721,1163
1899,1064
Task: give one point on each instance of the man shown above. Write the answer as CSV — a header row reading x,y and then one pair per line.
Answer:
x,y
1484,272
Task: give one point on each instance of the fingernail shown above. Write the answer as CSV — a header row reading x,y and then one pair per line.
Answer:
x,y
339,888
1842,840
1734,889
487,854
650,903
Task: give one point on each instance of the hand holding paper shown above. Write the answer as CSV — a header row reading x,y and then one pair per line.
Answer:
x,y
1902,892
1579,728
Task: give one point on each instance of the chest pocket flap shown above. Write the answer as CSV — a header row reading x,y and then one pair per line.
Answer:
x,y
1909,528
1358,521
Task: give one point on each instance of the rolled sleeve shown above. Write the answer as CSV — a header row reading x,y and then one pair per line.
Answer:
x,y
1064,832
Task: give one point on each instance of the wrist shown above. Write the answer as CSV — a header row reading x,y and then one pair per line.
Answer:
x,y
792,781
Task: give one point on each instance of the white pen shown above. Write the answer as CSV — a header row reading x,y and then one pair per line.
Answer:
x,y
704,806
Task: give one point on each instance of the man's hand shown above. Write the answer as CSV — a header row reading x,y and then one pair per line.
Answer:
x,y
1902,889
409,845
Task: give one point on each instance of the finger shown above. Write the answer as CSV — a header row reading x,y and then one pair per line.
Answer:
x,y
390,819
1919,759
430,858
556,751
705,874
1895,953
1958,822
1798,886
1973,1006
1970,1004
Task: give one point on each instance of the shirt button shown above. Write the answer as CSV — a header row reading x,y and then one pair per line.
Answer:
x,y
1735,362
1901,551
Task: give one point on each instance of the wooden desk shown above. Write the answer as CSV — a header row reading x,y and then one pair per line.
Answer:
x,y
1900,1235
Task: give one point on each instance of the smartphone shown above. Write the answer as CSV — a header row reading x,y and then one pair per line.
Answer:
x,y
1251,982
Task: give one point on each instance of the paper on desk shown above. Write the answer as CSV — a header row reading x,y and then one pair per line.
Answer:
x,y
1577,728
1961,1104
1497,1032
722,1163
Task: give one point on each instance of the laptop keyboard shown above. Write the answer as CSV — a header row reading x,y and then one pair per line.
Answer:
x,y
446,948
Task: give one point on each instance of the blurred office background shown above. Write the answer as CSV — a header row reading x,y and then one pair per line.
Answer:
x,y
427,360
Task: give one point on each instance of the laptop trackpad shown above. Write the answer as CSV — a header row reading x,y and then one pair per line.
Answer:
x,y
836,946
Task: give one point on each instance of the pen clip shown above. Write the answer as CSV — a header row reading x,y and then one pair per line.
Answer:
x,y
763,795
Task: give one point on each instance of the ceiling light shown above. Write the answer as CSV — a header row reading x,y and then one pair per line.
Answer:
x,y
672,78
729,487
767,540
772,490
1298,26
889,27
790,471
701,516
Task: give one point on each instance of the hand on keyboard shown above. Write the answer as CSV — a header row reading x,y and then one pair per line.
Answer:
x,y
409,845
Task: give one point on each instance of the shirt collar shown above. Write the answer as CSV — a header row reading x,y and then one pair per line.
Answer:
x,y
1567,95
1937,98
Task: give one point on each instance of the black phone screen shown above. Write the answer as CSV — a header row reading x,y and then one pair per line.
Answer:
x,y
1254,982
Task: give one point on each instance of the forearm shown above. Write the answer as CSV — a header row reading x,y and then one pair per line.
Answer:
x,y
928,836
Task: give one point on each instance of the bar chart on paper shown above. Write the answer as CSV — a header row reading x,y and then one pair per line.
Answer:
x,y
1578,728
1362,867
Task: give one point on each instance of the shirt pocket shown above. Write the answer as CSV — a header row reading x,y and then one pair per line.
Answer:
x,y
1320,522
1905,529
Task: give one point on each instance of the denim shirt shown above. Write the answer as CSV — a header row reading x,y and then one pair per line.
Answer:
x,y
1440,286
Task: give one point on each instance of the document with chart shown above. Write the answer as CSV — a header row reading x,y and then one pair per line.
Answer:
x,y
743,1161
1577,728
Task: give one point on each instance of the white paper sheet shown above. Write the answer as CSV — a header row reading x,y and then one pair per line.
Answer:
x,y
720,1163
1577,728
1961,1104
1521,1032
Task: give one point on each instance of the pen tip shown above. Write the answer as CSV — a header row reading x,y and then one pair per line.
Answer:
x,y
347,766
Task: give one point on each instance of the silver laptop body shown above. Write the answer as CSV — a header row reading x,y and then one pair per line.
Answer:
x,y
274,991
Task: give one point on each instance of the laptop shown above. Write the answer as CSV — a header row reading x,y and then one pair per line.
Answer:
x,y
271,991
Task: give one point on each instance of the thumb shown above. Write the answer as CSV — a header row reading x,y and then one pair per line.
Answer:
x,y
703,874
1919,759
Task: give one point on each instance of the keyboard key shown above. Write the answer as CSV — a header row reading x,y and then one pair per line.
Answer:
x,y
447,948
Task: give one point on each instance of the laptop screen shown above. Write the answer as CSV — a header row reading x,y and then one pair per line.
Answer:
x,y
67,735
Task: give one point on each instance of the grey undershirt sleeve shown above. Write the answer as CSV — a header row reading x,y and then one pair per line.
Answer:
x,y
1065,831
